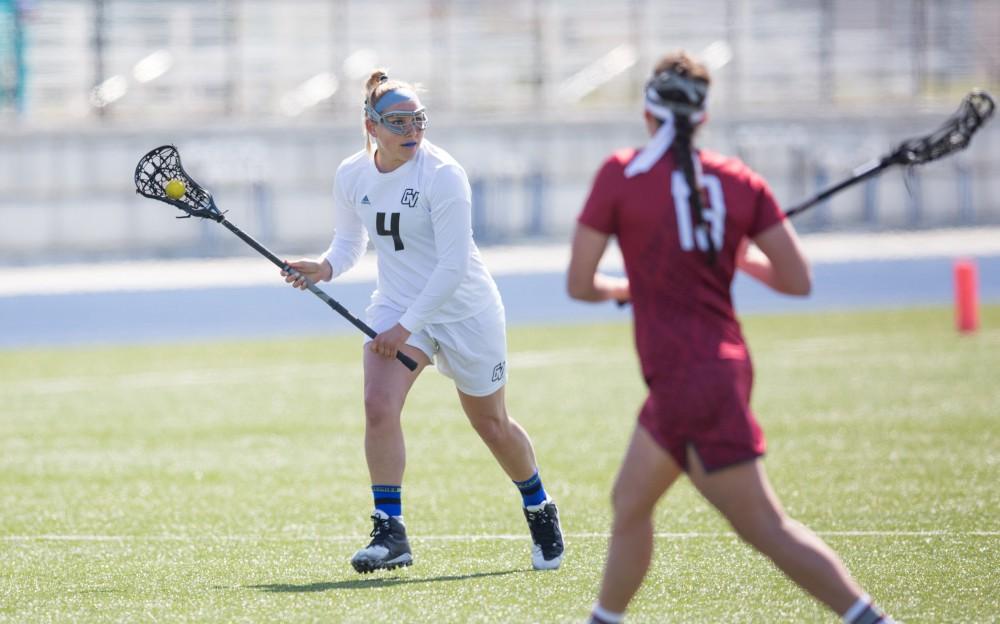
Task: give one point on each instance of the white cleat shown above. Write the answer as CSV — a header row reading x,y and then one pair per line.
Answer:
x,y
547,542
389,548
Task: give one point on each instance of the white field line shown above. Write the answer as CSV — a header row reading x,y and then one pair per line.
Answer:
x,y
224,376
456,538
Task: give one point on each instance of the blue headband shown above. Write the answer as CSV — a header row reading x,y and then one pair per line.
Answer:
x,y
391,98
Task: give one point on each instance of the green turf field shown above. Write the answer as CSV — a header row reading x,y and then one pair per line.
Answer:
x,y
226,481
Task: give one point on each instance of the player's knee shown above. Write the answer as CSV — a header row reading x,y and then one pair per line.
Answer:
x,y
493,427
380,407
627,506
763,530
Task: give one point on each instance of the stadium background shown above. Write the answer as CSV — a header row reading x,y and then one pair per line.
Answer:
x,y
217,474
263,100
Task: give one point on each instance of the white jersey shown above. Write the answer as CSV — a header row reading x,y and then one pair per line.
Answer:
x,y
419,218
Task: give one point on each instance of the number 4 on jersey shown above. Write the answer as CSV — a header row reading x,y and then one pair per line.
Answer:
x,y
393,230
714,215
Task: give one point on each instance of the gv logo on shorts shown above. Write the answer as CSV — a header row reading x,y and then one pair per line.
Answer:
x,y
409,197
498,371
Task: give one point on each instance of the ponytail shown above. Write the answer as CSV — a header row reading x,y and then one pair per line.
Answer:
x,y
372,94
685,155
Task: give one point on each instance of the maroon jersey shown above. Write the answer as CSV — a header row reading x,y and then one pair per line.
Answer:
x,y
682,305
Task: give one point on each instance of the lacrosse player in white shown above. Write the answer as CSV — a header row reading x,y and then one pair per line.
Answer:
x,y
434,301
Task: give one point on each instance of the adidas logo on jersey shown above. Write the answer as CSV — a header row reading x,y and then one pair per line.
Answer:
x,y
365,202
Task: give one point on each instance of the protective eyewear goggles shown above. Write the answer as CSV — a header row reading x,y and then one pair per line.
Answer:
x,y
400,122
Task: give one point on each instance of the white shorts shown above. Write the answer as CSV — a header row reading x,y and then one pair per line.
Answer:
x,y
472,351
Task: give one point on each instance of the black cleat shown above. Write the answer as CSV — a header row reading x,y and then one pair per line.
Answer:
x,y
547,551
389,548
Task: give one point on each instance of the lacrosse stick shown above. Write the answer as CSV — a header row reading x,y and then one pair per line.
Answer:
x,y
159,175
953,136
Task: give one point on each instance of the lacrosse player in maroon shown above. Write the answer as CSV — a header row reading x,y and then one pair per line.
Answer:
x,y
681,251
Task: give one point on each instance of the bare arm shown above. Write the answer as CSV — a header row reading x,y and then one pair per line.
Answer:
x,y
778,261
583,281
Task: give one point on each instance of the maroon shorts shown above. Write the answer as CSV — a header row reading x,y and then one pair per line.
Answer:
x,y
705,405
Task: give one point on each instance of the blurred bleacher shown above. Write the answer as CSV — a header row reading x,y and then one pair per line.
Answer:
x,y
263,99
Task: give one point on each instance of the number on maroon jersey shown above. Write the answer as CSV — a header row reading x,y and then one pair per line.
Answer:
x,y
714,214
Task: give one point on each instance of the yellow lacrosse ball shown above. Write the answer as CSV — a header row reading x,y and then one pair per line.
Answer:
x,y
175,189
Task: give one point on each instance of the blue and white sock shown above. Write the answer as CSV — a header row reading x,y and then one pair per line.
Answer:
x,y
864,611
389,498
600,615
532,492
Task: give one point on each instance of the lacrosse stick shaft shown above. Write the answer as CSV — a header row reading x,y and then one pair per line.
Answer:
x,y
954,135
407,361
863,172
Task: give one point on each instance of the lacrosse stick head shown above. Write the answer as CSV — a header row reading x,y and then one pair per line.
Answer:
x,y
954,134
162,166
